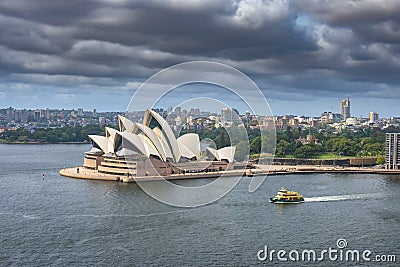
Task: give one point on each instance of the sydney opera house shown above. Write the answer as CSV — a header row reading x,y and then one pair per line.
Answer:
x,y
151,149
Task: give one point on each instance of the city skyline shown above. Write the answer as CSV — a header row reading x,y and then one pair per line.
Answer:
x,y
361,107
344,107
304,55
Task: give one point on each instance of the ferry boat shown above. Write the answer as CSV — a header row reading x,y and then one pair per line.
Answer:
x,y
285,196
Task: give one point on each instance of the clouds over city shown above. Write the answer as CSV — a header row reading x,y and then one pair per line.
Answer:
x,y
293,49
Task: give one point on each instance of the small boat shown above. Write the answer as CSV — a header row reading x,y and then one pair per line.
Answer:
x,y
285,196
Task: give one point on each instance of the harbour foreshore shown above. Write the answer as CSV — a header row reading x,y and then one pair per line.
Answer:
x,y
89,174
81,172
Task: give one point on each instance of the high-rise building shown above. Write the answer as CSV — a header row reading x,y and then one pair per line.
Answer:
x,y
17,115
24,116
10,114
163,113
102,120
178,111
373,116
47,114
80,111
94,113
230,115
293,122
345,109
37,114
393,151
329,117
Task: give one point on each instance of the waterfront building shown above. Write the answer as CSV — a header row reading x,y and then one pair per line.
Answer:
x,y
393,151
150,148
3,129
345,109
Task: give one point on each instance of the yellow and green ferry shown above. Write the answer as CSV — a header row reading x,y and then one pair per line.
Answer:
x,y
285,196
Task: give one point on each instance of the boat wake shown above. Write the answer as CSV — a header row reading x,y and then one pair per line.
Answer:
x,y
342,197
126,215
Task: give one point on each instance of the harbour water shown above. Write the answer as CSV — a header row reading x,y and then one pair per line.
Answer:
x,y
60,221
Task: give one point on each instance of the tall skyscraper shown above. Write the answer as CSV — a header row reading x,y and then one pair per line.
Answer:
x,y
10,114
373,116
345,109
178,111
24,116
47,113
393,151
37,114
230,115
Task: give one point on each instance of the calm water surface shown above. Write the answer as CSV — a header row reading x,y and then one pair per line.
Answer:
x,y
60,221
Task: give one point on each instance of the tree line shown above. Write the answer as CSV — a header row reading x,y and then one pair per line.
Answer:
x,y
349,142
361,142
77,134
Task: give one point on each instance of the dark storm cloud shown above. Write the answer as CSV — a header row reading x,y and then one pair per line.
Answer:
x,y
302,48
345,13
49,12
216,29
230,30
374,27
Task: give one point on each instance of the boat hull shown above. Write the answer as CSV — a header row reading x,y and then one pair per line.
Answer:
x,y
285,201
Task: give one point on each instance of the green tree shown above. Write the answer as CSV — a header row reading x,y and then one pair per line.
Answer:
x,y
380,160
282,148
255,145
242,151
222,140
308,151
347,146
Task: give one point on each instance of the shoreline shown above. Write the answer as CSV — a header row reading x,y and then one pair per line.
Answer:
x,y
89,174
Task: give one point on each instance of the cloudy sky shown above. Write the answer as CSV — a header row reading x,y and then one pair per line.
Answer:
x,y
304,55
